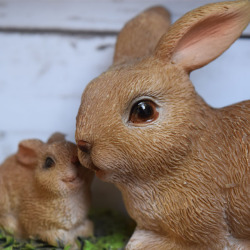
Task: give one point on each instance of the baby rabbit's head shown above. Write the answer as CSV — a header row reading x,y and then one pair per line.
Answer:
x,y
57,170
143,113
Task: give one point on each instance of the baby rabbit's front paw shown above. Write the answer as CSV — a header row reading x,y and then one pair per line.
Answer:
x,y
86,229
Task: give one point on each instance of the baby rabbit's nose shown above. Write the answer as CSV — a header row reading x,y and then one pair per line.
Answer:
x,y
84,146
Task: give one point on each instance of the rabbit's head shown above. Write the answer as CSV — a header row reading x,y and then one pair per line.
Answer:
x,y
140,118
57,170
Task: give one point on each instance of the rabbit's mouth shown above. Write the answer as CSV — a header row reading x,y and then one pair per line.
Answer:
x,y
88,163
69,179
72,181
100,173
94,167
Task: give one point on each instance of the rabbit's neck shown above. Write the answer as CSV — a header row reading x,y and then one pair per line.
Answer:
x,y
164,206
221,149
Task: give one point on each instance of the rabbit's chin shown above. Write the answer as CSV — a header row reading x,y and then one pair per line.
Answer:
x,y
101,174
89,164
104,175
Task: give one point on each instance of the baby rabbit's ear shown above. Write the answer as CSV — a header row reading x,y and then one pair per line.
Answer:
x,y
203,34
28,152
140,35
56,137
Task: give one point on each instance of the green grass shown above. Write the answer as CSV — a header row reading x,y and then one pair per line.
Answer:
x,y
112,231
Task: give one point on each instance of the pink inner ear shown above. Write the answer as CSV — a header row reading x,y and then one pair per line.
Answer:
x,y
26,156
207,40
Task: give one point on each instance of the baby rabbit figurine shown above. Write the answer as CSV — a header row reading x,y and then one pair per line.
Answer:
x,y
182,166
45,192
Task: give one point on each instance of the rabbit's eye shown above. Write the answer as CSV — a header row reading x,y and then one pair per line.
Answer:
x,y
143,112
49,162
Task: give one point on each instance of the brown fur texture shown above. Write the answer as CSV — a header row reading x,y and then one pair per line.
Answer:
x,y
147,28
184,176
50,203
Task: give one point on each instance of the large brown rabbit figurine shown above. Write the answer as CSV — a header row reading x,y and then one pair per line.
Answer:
x,y
45,192
182,166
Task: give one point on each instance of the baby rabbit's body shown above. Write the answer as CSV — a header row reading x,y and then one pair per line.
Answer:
x,y
182,166
48,196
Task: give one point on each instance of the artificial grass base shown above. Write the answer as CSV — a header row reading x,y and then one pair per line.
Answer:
x,y
112,231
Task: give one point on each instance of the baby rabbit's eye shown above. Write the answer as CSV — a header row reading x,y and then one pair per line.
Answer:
x,y
143,111
49,162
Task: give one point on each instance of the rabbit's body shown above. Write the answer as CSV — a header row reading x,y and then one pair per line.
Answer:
x,y
182,166
200,199
53,209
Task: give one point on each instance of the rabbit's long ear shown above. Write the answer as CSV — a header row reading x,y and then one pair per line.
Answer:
x,y
140,35
28,151
203,34
57,136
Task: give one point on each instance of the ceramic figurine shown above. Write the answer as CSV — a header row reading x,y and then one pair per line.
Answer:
x,y
182,166
45,192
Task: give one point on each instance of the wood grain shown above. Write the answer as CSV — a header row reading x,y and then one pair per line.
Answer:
x,y
81,16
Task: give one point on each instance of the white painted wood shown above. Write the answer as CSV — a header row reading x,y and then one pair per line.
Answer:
x,y
227,79
41,81
84,15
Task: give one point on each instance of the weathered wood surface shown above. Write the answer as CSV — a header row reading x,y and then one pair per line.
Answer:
x,y
83,15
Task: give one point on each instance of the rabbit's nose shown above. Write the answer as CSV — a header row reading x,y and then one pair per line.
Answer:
x,y
84,146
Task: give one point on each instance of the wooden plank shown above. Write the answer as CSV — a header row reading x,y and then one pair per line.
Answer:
x,y
83,15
